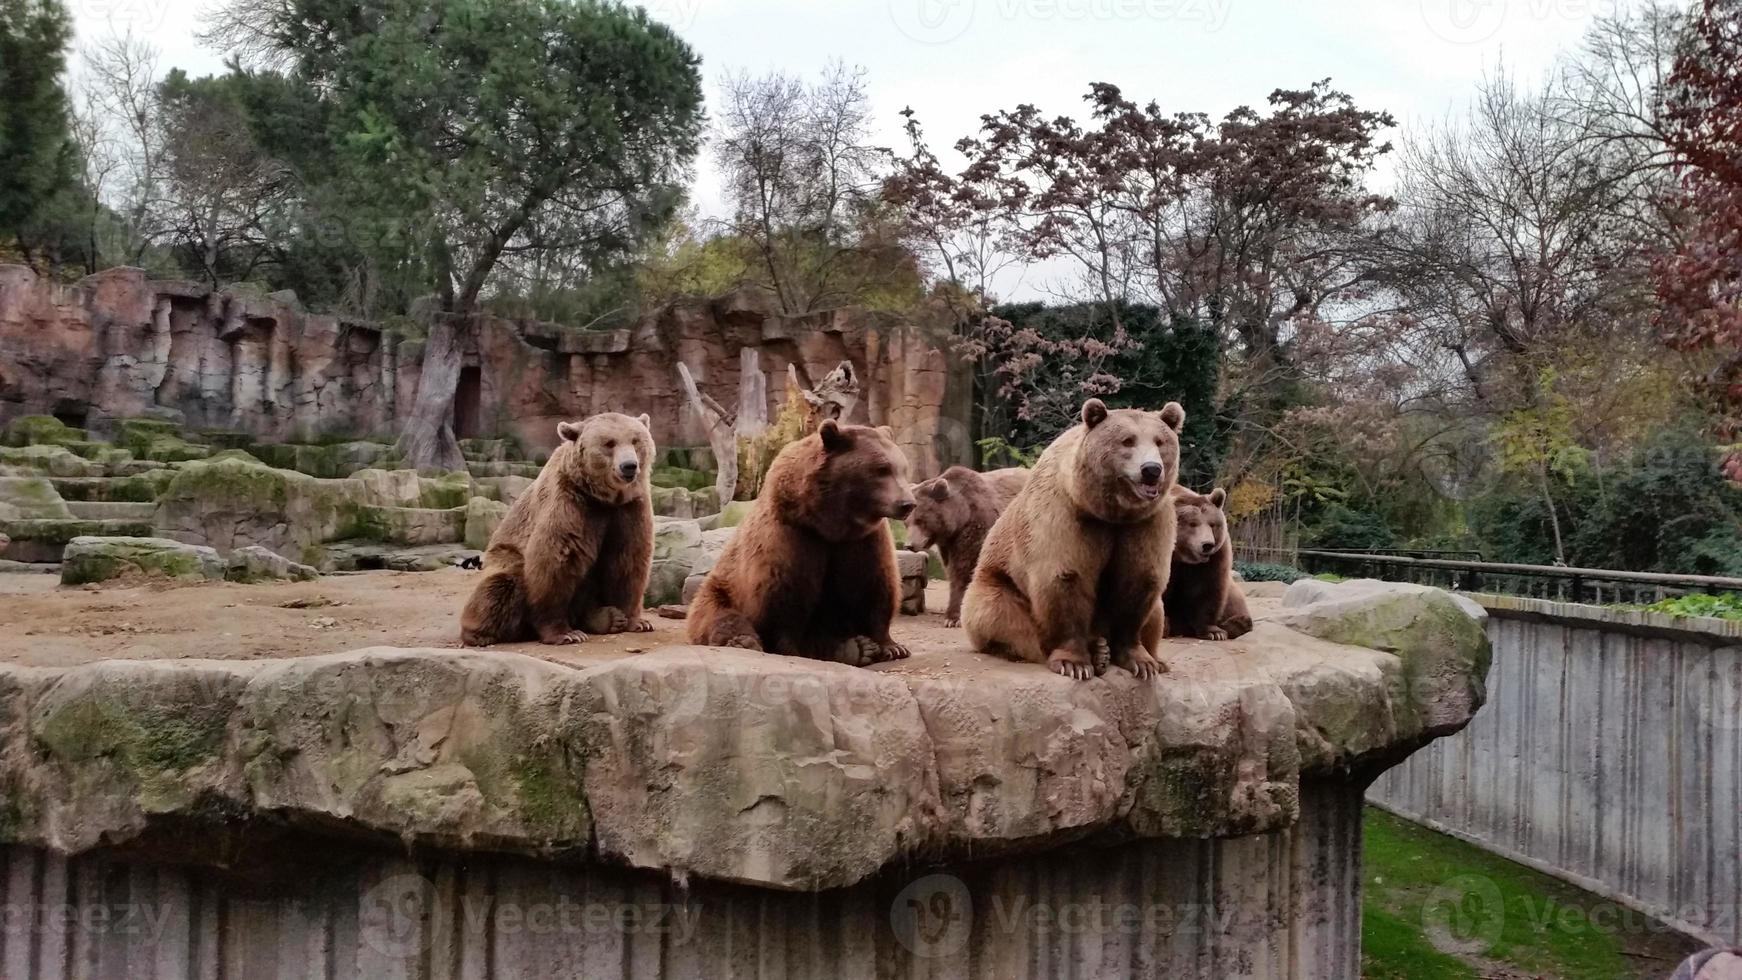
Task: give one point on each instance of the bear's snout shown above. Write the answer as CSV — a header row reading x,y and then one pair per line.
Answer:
x,y
628,469
903,508
1208,547
1151,473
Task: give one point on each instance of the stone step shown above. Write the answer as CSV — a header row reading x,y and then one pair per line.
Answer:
x,y
528,470
106,510
43,541
371,556
414,527
131,489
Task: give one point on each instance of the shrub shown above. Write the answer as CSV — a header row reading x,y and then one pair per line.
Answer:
x,y
1254,571
1727,606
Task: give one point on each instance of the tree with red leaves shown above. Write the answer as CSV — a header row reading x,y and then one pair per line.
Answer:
x,y
1700,281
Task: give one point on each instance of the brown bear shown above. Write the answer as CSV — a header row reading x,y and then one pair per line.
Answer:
x,y
1202,599
955,511
1007,483
812,573
576,548
1076,565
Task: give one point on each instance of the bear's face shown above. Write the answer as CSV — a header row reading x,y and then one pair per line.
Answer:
x,y
857,480
941,509
1128,460
1203,527
609,456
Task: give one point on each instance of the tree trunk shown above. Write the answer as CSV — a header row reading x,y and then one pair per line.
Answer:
x,y
722,435
427,442
1554,520
752,395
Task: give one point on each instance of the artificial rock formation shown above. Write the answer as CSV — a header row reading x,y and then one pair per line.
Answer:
x,y
756,782
118,345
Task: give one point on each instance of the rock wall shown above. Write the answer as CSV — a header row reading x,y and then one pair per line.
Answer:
x,y
119,345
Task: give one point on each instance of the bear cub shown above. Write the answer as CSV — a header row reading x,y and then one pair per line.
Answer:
x,y
573,555
812,573
1075,568
1202,598
955,512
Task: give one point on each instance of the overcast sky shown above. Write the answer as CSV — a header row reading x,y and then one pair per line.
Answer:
x,y
953,60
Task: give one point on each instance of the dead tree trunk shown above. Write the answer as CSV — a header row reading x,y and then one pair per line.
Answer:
x,y
752,395
427,441
722,435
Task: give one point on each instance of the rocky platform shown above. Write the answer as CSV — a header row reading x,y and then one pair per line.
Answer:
x,y
730,766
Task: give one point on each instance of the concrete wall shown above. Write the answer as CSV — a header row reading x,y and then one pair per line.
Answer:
x,y
1609,754
1283,905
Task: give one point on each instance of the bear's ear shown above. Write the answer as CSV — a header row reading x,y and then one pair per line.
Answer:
x,y
1173,414
1217,496
1094,412
568,431
834,440
646,422
937,490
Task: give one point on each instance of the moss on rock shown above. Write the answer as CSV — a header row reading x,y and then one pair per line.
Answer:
x,y
42,430
100,559
33,498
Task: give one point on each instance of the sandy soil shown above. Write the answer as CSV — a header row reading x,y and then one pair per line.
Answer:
x,y
44,625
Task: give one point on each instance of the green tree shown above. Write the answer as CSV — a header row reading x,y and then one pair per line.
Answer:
x,y
471,137
37,155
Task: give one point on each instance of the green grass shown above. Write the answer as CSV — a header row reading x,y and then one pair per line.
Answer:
x,y
1436,907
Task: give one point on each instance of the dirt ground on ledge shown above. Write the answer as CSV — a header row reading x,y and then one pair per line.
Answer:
x,y
45,625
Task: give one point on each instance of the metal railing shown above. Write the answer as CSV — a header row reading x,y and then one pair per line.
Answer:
x,y
1598,586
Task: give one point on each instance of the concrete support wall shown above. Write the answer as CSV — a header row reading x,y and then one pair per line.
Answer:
x,y
1284,905
1609,754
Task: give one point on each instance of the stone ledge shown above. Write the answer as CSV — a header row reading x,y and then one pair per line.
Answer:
x,y
728,765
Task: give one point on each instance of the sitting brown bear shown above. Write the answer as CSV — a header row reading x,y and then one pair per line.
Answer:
x,y
955,512
1078,563
576,548
1202,598
812,572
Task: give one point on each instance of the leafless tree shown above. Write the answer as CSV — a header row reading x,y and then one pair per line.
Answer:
x,y
122,128
799,171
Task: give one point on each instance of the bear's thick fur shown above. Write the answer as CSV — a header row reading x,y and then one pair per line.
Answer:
x,y
955,512
1202,599
1078,563
576,548
812,571
1007,483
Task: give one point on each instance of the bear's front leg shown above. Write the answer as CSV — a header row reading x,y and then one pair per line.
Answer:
x,y
1064,608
